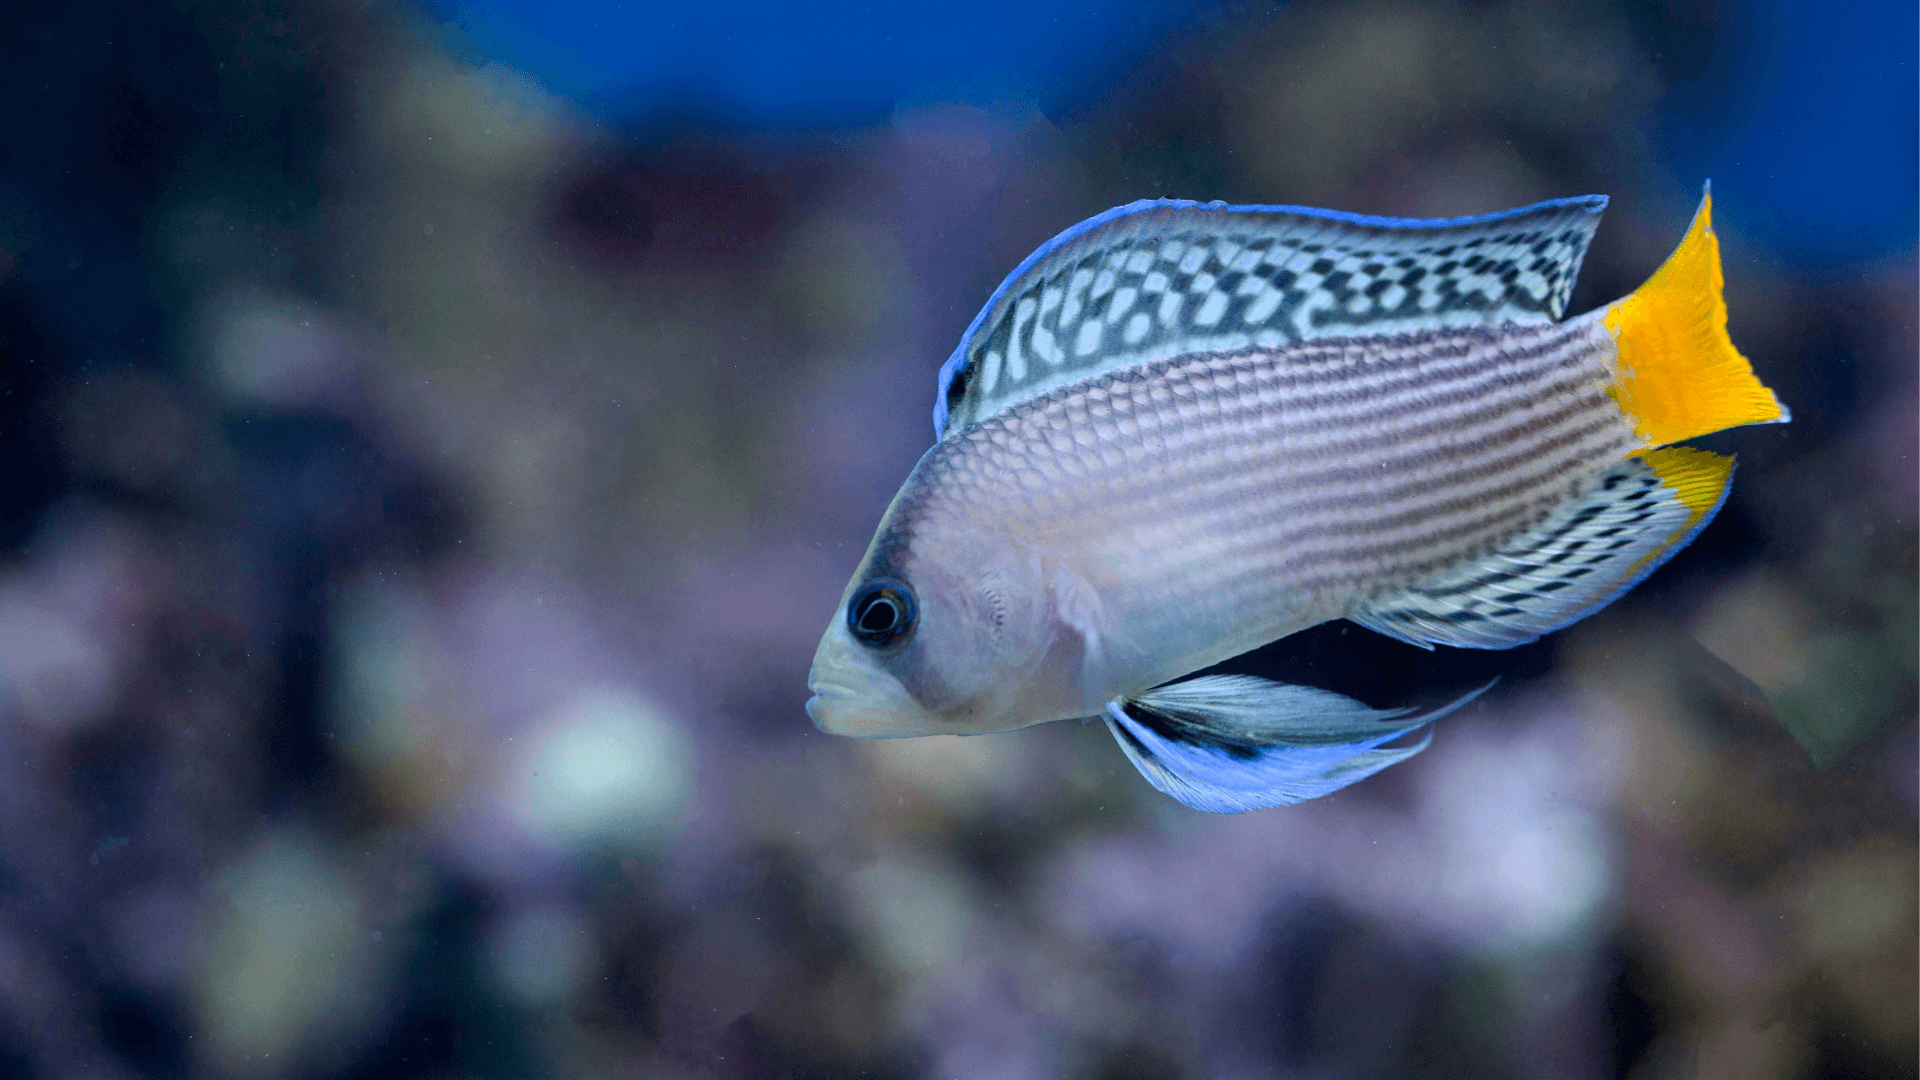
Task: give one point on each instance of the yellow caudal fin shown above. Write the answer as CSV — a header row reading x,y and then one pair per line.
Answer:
x,y
1679,374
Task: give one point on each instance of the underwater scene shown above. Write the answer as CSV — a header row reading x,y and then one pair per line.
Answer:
x,y
1334,540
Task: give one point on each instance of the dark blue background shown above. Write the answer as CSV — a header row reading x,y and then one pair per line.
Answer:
x,y
1807,109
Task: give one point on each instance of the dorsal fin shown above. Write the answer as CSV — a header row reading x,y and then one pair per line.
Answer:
x,y
1166,277
1580,559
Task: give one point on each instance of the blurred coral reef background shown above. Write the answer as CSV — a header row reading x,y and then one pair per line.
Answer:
x,y
429,462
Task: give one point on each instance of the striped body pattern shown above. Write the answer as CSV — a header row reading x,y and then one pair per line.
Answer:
x,y
1272,489
1179,431
1522,589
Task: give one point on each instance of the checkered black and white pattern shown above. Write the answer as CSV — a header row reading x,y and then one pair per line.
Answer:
x,y
1164,278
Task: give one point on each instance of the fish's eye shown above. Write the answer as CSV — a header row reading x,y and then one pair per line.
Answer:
x,y
880,614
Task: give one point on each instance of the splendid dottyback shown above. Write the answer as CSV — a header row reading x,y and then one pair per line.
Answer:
x,y
1180,431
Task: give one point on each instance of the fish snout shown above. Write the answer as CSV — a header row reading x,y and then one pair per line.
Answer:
x,y
842,710
851,696
827,705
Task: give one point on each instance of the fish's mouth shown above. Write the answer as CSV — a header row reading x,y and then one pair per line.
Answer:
x,y
854,698
840,710
820,706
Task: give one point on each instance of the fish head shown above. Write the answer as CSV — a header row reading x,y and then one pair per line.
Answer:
x,y
949,637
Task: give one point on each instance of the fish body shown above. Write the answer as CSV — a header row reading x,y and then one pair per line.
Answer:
x,y
1180,432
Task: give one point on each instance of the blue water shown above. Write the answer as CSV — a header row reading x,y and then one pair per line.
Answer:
x,y
1821,143
788,65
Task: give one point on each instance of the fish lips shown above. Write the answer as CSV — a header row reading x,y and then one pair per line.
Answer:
x,y
852,696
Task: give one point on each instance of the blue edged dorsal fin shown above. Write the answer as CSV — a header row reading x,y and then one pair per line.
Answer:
x,y
1167,277
1577,561
1228,743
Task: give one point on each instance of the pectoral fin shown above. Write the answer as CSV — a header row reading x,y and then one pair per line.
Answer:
x,y
1230,743
1077,606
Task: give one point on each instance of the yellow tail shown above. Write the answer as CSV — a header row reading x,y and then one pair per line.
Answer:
x,y
1679,374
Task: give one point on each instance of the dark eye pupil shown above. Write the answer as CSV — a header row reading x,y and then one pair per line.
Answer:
x,y
879,616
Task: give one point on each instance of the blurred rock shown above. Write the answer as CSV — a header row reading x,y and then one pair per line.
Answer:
x,y
539,956
137,433
291,976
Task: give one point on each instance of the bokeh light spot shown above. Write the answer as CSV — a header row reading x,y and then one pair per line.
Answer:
x,y
609,769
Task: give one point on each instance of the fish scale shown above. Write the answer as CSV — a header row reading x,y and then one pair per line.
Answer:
x,y
1233,477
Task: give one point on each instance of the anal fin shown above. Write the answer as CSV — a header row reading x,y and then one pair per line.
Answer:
x,y
1230,743
1581,558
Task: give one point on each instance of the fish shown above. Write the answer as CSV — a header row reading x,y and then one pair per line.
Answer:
x,y
1180,431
